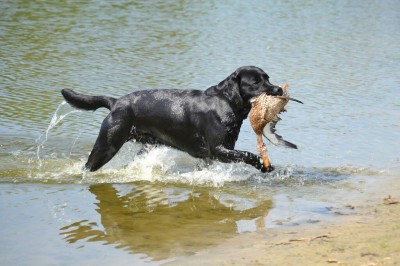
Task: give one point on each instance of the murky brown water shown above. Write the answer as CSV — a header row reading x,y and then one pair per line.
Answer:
x,y
341,59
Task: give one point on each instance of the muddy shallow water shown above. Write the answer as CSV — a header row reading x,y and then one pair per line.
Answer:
x,y
341,59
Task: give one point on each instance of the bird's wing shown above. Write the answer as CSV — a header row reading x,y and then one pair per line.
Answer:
x,y
269,132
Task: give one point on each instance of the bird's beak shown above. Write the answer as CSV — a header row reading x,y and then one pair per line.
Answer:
x,y
284,87
295,100
289,98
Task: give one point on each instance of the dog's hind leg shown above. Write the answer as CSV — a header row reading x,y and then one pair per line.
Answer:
x,y
113,134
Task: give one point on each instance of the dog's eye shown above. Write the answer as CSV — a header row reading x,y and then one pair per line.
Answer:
x,y
256,81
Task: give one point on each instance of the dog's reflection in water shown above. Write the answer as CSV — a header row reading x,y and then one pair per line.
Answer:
x,y
162,222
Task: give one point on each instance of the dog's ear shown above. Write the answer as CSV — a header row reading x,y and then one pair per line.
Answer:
x,y
229,88
235,77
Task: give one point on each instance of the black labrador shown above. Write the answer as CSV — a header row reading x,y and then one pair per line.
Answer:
x,y
205,124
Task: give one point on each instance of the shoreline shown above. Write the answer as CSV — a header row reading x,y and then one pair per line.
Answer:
x,y
369,237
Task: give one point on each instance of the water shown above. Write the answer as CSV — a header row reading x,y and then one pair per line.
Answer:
x,y
341,58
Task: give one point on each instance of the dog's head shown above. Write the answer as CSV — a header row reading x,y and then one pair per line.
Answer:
x,y
243,84
252,81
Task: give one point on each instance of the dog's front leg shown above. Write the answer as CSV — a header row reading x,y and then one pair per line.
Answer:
x,y
225,155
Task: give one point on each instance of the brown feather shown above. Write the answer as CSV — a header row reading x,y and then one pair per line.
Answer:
x,y
265,108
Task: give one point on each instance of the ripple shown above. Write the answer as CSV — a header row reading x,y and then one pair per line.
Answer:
x,y
341,67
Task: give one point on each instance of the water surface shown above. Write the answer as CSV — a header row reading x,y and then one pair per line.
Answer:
x,y
341,58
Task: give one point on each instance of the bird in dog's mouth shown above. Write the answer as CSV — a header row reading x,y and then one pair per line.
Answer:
x,y
263,119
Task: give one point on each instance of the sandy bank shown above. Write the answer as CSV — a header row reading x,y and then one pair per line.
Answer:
x,y
370,237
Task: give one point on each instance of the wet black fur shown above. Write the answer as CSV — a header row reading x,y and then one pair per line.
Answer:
x,y
205,124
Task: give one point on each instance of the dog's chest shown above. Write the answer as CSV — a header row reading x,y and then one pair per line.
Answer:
x,y
232,125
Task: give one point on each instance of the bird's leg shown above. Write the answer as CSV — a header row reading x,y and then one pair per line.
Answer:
x,y
262,150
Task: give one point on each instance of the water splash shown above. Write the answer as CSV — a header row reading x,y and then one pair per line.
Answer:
x,y
62,111
167,165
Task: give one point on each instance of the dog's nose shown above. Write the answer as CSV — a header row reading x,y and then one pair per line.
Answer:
x,y
277,91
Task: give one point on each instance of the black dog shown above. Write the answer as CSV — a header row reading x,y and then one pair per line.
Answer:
x,y
205,124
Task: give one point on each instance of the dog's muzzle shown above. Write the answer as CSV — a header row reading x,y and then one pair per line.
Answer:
x,y
277,91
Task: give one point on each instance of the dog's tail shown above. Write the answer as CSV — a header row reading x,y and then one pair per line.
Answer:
x,y
86,102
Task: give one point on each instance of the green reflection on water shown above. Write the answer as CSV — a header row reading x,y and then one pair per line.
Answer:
x,y
148,221
102,47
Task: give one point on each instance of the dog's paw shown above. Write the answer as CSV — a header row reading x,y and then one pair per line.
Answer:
x,y
267,169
